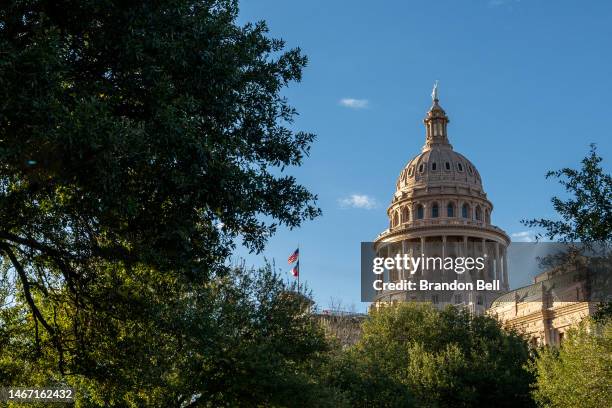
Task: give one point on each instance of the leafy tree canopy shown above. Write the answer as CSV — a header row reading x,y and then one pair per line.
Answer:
x,y
578,373
438,359
586,216
143,132
250,341
138,142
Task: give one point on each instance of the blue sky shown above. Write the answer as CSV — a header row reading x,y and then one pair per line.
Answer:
x,y
526,85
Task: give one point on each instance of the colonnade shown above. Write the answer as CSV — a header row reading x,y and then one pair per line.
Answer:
x,y
454,246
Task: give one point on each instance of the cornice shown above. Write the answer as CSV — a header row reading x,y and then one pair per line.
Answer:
x,y
427,228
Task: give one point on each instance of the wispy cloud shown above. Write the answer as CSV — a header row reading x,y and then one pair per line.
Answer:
x,y
354,103
497,3
358,201
524,236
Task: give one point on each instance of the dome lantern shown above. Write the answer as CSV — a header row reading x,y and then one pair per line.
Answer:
x,y
436,123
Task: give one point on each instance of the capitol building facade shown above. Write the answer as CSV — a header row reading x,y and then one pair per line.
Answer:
x,y
440,208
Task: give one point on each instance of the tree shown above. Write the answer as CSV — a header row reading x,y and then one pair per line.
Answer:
x,y
252,342
578,373
363,383
138,142
437,359
587,215
603,312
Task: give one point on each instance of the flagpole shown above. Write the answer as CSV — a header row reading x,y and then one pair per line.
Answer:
x,y
298,266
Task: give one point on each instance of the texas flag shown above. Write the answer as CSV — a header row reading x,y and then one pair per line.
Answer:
x,y
294,256
295,271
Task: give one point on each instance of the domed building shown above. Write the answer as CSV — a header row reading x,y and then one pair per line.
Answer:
x,y
440,208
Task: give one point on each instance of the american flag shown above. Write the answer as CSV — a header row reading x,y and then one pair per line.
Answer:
x,y
294,256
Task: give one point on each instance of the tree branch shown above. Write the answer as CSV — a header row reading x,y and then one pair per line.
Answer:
x,y
56,255
30,300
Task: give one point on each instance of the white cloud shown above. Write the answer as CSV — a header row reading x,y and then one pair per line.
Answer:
x,y
524,236
354,103
497,3
358,201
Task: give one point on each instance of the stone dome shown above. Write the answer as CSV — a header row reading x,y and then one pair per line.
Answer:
x,y
439,186
439,165
439,208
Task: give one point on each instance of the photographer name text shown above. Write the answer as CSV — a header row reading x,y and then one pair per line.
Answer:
x,y
425,285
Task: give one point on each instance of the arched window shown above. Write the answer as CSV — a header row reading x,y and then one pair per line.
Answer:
x,y
465,211
420,212
405,215
460,166
478,213
421,168
450,210
447,165
395,219
434,166
487,217
435,212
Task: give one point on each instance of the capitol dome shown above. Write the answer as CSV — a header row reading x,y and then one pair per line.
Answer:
x,y
438,163
439,202
436,176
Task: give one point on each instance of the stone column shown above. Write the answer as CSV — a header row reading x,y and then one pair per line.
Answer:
x,y
457,212
505,269
388,246
422,250
496,266
442,271
404,249
483,248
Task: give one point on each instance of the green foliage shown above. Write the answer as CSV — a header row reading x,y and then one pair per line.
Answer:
x,y
250,341
587,215
144,133
603,313
363,383
447,358
578,373
138,142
